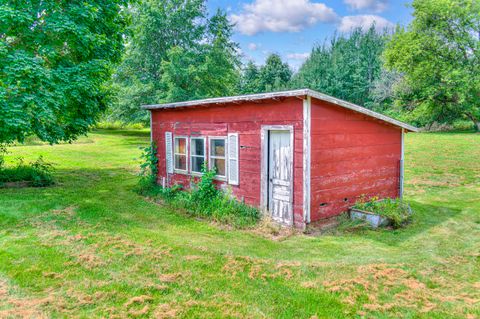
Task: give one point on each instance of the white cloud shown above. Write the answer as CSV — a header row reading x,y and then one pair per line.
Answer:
x,y
298,56
281,16
363,21
253,46
374,5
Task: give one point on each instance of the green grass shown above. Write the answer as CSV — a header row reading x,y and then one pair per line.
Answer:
x,y
89,246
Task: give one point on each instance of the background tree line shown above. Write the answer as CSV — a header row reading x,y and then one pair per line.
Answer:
x,y
424,73
64,64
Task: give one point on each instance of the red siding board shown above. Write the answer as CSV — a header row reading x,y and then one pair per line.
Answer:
x,y
351,155
246,119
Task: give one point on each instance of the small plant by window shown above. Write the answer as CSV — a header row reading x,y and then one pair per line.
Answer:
x,y
148,169
206,201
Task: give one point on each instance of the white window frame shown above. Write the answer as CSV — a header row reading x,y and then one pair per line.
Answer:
x,y
205,156
225,157
175,169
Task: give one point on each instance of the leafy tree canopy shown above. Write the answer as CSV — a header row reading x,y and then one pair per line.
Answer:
x,y
439,53
274,75
348,67
55,57
175,52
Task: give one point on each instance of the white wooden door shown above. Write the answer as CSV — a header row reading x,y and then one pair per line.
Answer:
x,y
280,177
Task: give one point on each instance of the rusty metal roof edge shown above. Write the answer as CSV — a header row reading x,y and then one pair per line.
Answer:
x,y
283,94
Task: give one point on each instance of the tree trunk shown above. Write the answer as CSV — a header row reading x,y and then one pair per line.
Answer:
x,y
476,121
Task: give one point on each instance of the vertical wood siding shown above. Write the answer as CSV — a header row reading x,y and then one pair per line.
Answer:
x,y
245,119
351,155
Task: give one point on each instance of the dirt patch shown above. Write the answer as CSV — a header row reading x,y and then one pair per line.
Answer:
x,y
271,230
138,300
169,278
18,307
165,311
382,287
258,268
192,257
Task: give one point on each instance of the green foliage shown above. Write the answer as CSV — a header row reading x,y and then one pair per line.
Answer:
x,y
274,75
117,125
174,53
148,169
136,240
204,190
37,173
349,67
55,57
396,209
206,201
439,53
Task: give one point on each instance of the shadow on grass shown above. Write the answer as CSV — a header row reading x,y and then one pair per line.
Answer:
x,y
98,195
425,217
122,132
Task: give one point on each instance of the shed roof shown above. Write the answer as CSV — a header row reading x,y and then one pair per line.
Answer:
x,y
282,94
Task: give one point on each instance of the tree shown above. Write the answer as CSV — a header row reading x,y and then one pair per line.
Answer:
x,y
347,68
275,75
55,57
249,82
439,54
174,53
208,70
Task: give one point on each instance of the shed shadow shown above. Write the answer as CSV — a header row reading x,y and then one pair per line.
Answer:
x,y
425,217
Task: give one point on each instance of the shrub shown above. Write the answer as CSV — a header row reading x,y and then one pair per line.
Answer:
x,y
37,173
206,201
118,125
148,170
396,210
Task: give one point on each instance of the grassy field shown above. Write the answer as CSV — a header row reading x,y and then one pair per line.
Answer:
x,y
91,247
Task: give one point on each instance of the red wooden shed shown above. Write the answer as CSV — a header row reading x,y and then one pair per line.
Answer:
x,y
301,156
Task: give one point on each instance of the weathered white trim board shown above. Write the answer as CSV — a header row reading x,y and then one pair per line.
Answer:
x,y
307,124
264,164
402,160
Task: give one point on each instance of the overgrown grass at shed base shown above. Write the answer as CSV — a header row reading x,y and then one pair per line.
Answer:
x,y
203,200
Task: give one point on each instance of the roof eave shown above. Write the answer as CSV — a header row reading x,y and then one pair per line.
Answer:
x,y
283,94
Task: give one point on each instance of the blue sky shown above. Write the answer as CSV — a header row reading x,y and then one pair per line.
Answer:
x,y
292,27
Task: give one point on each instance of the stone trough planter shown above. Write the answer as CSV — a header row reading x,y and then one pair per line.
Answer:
x,y
371,218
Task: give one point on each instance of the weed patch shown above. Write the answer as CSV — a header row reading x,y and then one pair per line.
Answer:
x,y
203,200
37,174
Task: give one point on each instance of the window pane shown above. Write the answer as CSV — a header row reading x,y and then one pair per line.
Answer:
x,y
220,165
181,145
197,163
198,147
181,162
217,147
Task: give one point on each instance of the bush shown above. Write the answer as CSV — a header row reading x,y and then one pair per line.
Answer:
x,y
118,125
206,201
148,170
37,173
396,210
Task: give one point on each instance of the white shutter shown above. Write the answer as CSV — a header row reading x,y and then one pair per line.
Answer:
x,y
169,152
233,152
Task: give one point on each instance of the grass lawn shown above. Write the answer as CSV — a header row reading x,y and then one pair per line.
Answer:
x,y
91,247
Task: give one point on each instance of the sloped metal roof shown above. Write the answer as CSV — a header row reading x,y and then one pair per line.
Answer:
x,y
282,94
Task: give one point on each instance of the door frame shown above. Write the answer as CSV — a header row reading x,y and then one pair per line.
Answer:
x,y
264,135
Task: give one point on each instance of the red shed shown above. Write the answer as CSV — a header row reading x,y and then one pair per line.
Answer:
x,y
301,156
